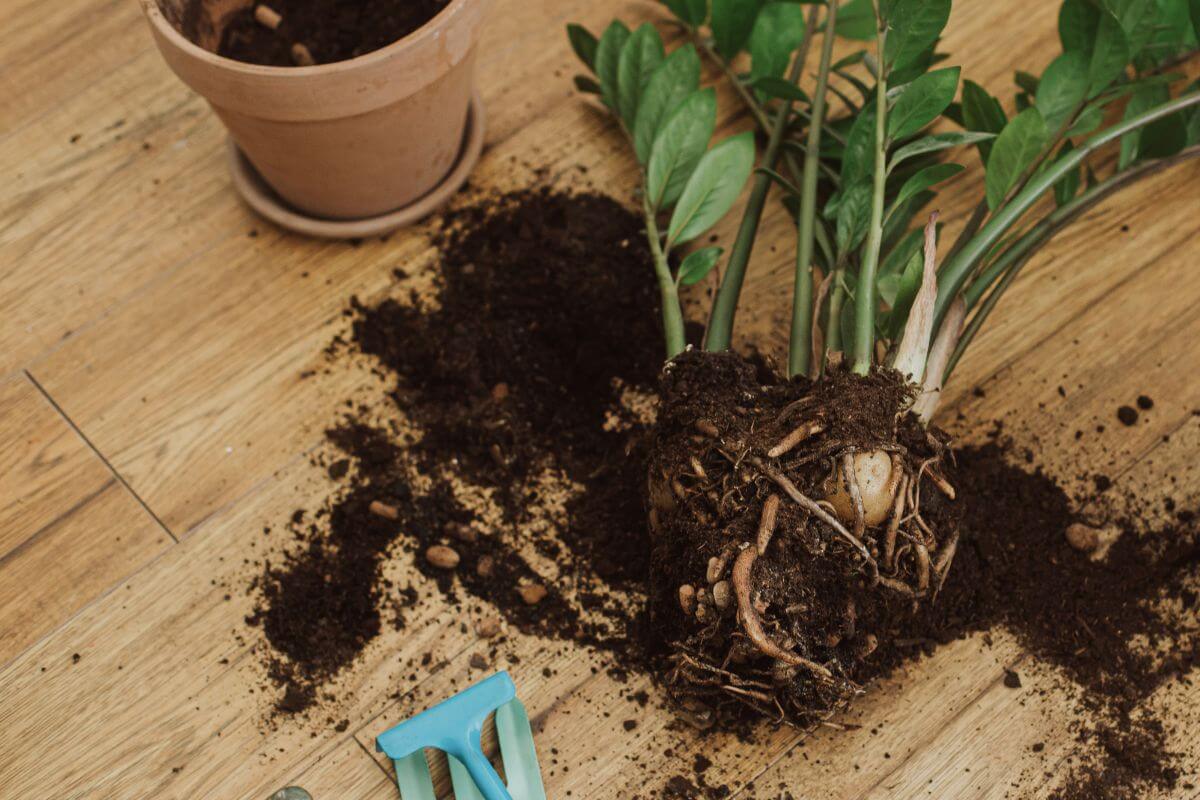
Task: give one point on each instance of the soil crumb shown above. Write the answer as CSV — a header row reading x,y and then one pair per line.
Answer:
x,y
331,30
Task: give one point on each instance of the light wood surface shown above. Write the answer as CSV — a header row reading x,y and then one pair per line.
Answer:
x,y
154,416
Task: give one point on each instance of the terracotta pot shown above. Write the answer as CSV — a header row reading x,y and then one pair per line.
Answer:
x,y
347,140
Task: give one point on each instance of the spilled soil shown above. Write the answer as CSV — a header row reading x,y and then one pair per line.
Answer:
x,y
330,30
507,461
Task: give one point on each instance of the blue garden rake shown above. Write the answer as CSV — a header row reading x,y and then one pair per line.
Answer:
x,y
456,727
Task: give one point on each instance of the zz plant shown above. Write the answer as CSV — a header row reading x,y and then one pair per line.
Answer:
x,y
799,519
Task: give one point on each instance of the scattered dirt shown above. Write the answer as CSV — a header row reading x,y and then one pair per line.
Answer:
x,y
331,30
518,374
515,434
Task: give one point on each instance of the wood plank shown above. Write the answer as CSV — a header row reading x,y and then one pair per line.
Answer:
x,y
69,530
194,436
168,697
125,216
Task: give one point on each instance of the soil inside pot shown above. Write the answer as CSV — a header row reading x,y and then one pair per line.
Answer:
x,y
330,30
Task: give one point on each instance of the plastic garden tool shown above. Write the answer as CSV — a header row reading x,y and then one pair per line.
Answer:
x,y
455,727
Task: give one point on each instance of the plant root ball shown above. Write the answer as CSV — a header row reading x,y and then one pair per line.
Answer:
x,y
796,525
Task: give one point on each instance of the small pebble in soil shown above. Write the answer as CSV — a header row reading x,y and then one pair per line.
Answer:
x,y
532,593
1128,415
1083,538
442,557
1011,679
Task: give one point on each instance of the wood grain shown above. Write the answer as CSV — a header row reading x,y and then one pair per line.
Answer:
x,y
68,528
189,353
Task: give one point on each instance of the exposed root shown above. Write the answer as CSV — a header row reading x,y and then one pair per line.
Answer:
x,y
851,479
766,525
802,432
793,522
889,544
752,624
815,509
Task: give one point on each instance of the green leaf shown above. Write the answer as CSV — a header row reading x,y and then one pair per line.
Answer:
x,y
895,261
698,264
713,187
908,283
640,56
982,112
1078,21
895,226
853,216
1161,138
935,142
856,20
1063,88
780,89
1089,120
584,44
1027,82
732,21
1138,19
913,27
777,32
922,101
1066,189
922,180
1109,56
858,159
693,12
678,147
672,82
608,61
585,84
1015,149
1194,12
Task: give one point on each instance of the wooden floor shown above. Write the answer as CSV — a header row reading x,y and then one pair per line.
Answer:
x,y
153,419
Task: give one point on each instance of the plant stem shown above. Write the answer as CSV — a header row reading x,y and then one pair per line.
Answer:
x,y
864,311
800,341
720,324
1013,260
956,271
672,312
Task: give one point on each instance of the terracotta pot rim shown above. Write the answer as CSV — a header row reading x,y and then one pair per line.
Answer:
x,y
412,41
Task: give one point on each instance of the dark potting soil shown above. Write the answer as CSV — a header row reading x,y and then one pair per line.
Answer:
x,y
332,30
542,320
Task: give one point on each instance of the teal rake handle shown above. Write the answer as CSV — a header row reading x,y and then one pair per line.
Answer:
x,y
456,728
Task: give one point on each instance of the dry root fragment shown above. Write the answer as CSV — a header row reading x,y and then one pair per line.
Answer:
x,y
752,625
1083,538
923,567
687,599
800,433
302,56
942,484
382,509
442,557
766,523
532,593
267,17
721,594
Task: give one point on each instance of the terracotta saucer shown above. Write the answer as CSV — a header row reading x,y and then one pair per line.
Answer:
x,y
262,198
